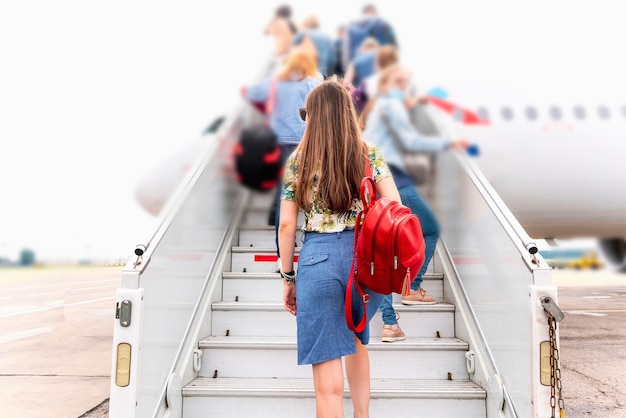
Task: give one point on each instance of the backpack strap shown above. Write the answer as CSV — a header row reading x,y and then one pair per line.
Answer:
x,y
271,100
352,281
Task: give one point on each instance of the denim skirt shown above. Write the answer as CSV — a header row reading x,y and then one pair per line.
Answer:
x,y
323,270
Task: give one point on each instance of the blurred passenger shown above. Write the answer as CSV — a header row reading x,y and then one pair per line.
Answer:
x,y
389,108
363,64
370,24
319,43
282,28
338,43
322,178
385,56
293,82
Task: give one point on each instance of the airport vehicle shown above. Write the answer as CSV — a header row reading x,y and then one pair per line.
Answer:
x,y
575,258
200,329
587,260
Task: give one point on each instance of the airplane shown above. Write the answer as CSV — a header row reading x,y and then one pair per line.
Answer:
x,y
556,161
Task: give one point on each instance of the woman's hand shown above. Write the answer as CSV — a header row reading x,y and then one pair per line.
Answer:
x,y
289,297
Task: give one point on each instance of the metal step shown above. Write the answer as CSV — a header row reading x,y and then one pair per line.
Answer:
x,y
276,357
255,216
286,398
257,260
263,319
262,236
267,287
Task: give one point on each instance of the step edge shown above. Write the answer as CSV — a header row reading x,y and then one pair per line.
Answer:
x,y
285,387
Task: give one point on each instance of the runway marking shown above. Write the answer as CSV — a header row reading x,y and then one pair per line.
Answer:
x,y
72,290
23,334
117,280
595,312
598,310
89,301
54,306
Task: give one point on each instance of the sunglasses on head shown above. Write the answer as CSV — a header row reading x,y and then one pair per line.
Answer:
x,y
302,112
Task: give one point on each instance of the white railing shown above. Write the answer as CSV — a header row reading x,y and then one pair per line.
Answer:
x,y
496,280
172,277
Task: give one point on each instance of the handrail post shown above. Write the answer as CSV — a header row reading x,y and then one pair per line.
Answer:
x,y
126,355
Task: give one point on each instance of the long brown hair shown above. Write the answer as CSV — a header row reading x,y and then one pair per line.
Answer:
x,y
332,153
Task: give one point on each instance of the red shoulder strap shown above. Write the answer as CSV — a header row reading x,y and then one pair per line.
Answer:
x,y
271,100
352,282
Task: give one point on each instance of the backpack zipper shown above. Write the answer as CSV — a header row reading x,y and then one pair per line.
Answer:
x,y
396,251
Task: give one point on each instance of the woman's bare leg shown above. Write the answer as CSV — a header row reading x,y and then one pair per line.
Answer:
x,y
328,381
358,373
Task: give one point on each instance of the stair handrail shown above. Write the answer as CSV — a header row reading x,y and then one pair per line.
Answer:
x,y
508,220
187,362
503,213
477,338
540,284
143,251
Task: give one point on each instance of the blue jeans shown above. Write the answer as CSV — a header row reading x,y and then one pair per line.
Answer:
x,y
287,149
430,229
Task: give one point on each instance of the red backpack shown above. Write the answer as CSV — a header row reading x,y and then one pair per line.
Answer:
x,y
388,249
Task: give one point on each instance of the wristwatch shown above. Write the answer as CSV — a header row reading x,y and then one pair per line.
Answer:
x,y
288,277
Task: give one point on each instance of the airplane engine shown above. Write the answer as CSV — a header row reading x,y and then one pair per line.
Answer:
x,y
613,252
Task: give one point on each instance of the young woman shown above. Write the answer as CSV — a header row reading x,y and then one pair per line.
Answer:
x,y
322,178
392,102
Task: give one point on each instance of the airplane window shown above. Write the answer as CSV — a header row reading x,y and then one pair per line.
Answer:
x,y
603,112
483,113
507,113
579,112
458,114
531,113
555,113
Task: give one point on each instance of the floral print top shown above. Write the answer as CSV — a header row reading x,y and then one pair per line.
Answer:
x,y
319,218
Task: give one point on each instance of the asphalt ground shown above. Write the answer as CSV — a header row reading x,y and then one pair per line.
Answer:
x,y
56,330
592,342
56,334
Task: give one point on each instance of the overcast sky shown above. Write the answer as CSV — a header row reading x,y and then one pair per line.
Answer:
x,y
94,94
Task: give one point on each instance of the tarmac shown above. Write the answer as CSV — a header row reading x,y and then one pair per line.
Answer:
x,y
56,330
56,334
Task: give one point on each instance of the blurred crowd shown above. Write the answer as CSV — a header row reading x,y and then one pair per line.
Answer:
x,y
364,56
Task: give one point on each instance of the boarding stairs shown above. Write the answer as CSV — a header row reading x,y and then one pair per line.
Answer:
x,y
249,362
200,330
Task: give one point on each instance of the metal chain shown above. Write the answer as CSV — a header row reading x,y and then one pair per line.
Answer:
x,y
555,371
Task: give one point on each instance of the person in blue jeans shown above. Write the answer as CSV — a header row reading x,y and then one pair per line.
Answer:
x,y
390,109
284,95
